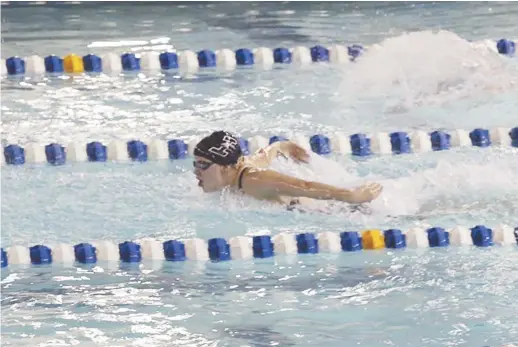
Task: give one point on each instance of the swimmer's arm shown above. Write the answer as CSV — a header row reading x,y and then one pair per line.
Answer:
x,y
268,184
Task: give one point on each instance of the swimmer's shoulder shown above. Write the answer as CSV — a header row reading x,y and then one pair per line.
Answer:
x,y
243,166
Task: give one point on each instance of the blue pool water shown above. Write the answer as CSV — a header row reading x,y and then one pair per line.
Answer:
x,y
418,79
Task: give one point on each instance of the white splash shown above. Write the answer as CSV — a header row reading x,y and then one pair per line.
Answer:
x,y
427,68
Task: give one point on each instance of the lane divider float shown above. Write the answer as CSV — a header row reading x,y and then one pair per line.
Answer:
x,y
191,62
261,246
359,144
188,61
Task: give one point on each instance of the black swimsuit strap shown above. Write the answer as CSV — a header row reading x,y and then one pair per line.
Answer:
x,y
240,181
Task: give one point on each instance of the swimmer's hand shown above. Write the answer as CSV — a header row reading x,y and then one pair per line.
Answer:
x,y
364,193
287,149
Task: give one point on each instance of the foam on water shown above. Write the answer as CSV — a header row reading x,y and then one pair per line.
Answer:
x,y
427,68
467,185
452,189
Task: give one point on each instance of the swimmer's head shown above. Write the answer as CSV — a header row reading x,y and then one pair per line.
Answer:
x,y
213,156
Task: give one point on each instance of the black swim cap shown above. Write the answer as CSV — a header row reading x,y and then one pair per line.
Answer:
x,y
220,147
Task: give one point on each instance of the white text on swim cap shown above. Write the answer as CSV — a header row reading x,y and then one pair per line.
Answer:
x,y
228,146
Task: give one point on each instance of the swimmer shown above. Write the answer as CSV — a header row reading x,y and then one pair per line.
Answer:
x,y
220,163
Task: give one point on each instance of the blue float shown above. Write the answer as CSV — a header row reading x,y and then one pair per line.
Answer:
x,y
354,51
277,138
514,137
243,143
130,62
5,261
14,155
15,66
440,140
319,53
394,238
281,55
206,58
262,246
85,253
96,151
400,142
92,63
480,137
307,243
137,150
244,56
53,64
130,252
360,145
482,236
506,47
320,144
350,241
55,154
40,255
438,237
177,149
219,249
174,250
168,60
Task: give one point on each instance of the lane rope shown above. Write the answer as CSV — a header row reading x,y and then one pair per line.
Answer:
x,y
261,246
188,61
359,144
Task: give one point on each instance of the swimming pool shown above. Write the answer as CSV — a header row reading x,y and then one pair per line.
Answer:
x,y
404,297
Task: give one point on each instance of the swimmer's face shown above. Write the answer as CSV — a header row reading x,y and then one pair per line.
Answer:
x,y
210,176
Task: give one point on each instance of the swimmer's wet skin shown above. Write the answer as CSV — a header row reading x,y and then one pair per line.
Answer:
x,y
219,163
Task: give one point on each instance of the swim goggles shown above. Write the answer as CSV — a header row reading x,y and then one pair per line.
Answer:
x,y
202,165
